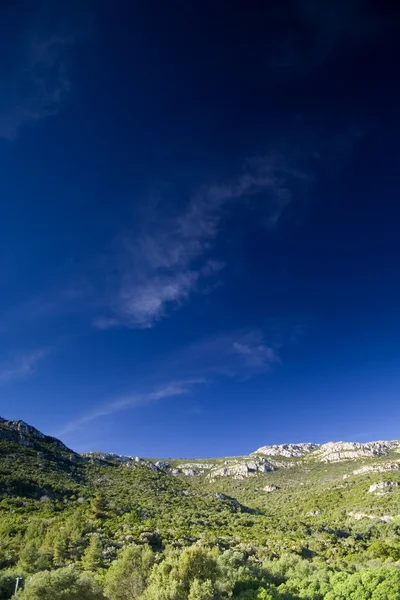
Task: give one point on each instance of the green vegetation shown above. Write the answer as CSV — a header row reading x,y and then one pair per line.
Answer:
x,y
101,528
63,584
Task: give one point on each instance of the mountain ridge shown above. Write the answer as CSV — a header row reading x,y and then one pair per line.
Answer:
x,y
25,434
333,502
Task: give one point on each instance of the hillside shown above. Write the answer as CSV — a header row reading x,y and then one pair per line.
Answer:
x,y
336,504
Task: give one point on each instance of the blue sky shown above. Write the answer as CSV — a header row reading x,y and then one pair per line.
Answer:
x,y
199,223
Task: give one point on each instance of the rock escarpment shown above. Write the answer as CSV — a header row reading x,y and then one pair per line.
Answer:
x,y
240,470
384,468
287,450
383,486
26,435
330,452
191,469
338,451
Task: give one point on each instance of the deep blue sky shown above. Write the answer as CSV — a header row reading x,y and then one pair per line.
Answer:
x,y
200,223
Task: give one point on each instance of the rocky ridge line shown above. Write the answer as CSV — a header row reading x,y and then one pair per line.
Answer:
x,y
237,467
26,435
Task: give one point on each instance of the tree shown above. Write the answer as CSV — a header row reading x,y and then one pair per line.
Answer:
x,y
127,578
374,584
92,559
99,505
7,584
261,593
174,577
61,584
201,590
32,558
60,549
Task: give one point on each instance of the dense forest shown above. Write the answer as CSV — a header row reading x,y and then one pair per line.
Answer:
x,y
104,527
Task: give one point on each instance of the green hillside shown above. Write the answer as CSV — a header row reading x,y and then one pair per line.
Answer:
x,y
323,523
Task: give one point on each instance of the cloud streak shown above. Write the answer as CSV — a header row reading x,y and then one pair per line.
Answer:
x,y
159,268
239,354
21,366
168,390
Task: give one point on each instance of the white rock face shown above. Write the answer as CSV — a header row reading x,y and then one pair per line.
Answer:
x,y
191,469
188,472
287,450
382,486
160,464
271,488
98,457
332,451
194,465
240,470
385,468
338,451
151,466
26,435
358,516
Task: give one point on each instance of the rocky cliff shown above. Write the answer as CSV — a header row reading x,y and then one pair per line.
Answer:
x,y
287,450
331,451
26,435
338,451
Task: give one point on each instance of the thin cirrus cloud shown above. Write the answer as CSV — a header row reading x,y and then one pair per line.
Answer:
x,y
157,393
38,87
161,266
240,354
21,366
237,354
153,271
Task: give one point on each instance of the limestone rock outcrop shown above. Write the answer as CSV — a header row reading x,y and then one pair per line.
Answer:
x,y
358,516
187,472
383,486
160,464
287,450
194,465
383,468
240,470
191,469
338,451
271,488
26,435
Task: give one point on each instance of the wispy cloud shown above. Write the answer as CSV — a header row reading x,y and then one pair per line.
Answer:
x,y
167,390
256,354
150,271
158,268
21,366
238,354
38,87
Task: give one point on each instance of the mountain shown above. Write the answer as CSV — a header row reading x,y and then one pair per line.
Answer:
x,y
27,435
327,502
275,461
22,433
